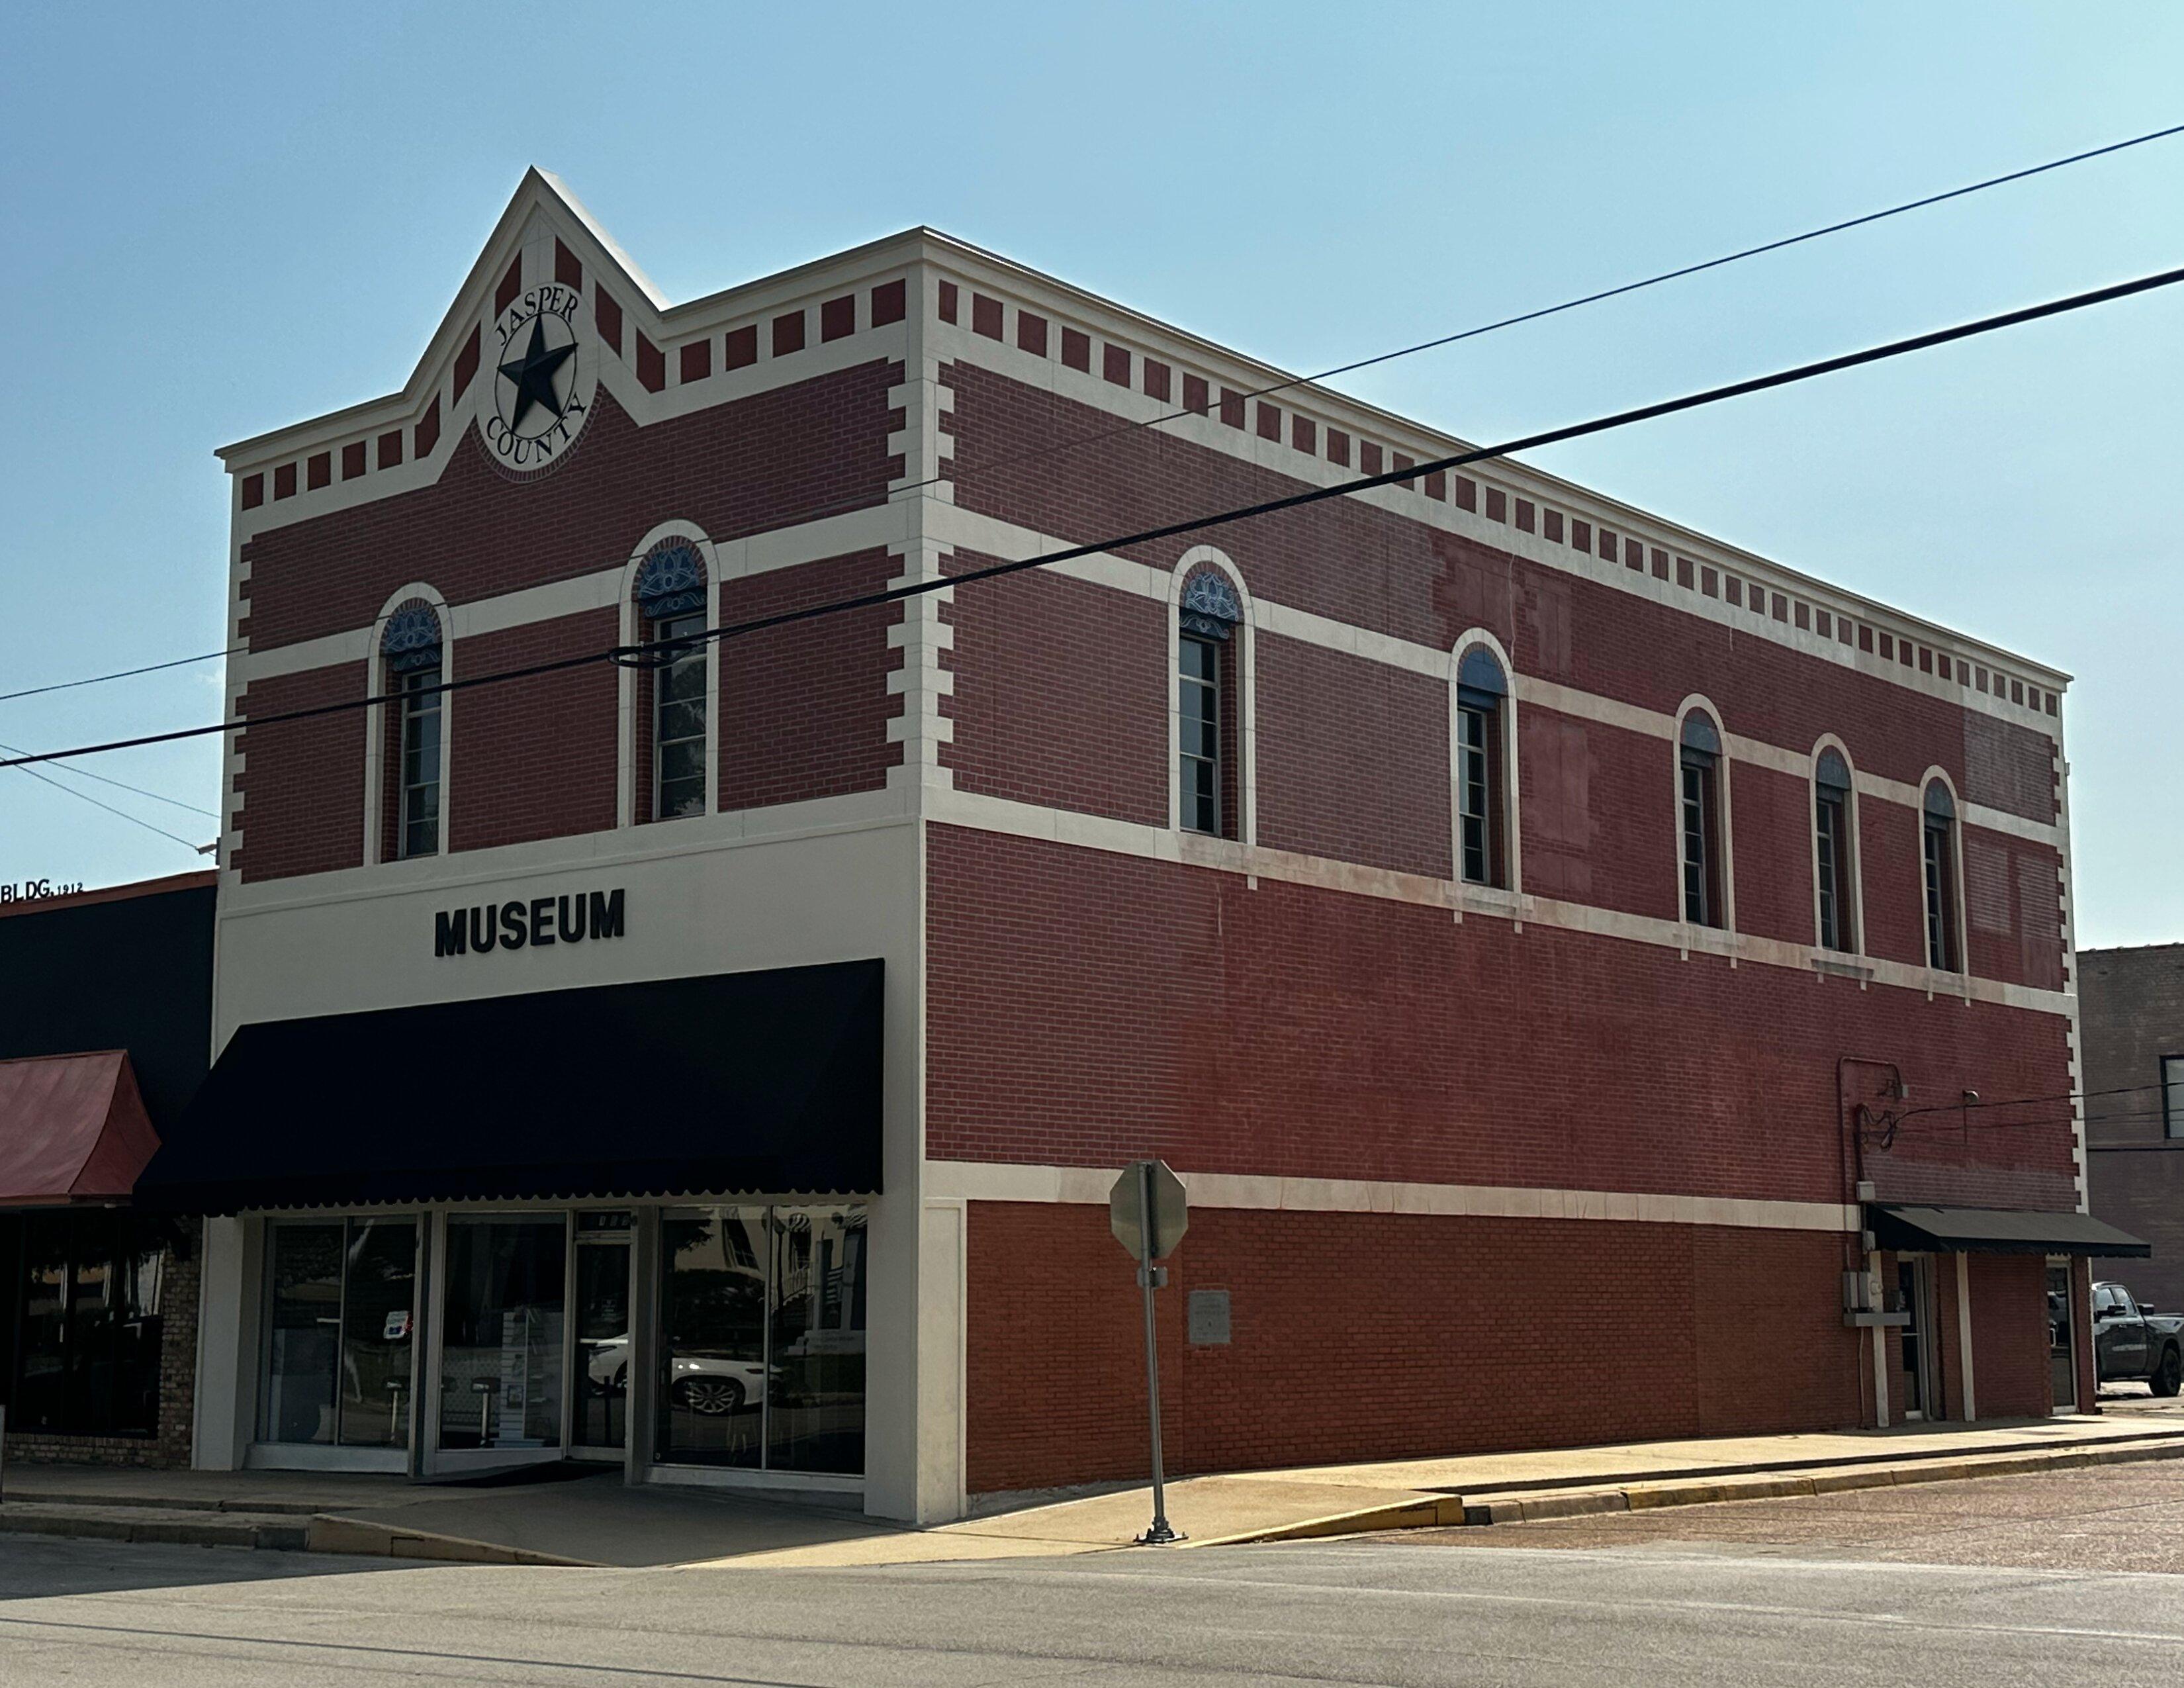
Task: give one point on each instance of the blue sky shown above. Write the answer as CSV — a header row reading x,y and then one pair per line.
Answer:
x,y
217,220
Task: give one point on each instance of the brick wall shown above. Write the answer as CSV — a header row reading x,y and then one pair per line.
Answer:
x,y
1356,562
813,447
1087,1008
1352,755
2010,1370
302,784
170,1449
533,758
1353,759
804,711
1366,1336
1066,684
804,708
1595,809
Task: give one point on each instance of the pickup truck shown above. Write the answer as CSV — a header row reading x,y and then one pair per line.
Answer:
x,y
2134,1343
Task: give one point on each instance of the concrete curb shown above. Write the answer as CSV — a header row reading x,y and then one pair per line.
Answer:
x,y
330,1534
32,1518
1432,1512
208,1527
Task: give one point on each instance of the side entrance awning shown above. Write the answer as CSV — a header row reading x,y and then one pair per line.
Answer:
x,y
757,1083
1999,1230
73,1128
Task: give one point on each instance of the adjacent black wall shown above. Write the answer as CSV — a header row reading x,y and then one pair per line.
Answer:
x,y
132,973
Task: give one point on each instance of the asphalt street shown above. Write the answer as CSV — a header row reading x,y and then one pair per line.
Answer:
x,y
1383,1610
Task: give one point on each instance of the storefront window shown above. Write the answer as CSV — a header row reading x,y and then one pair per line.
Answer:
x,y
762,1326
501,1368
87,1291
340,1297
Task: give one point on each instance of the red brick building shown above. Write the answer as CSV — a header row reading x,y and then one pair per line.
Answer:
x,y
1511,912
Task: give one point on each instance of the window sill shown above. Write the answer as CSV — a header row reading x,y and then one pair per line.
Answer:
x,y
1835,964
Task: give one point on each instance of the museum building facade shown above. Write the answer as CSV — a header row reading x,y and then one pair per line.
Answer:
x,y
691,1016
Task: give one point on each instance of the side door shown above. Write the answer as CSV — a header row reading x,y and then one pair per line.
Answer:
x,y
2108,1361
2133,1354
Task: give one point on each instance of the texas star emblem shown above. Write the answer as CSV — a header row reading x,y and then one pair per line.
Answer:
x,y
543,381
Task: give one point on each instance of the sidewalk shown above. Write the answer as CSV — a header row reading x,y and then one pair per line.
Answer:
x,y
592,1518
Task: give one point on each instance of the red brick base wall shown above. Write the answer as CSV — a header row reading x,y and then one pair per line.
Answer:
x,y
1367,1336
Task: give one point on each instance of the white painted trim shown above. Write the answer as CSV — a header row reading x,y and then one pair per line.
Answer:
x,y
1088,1186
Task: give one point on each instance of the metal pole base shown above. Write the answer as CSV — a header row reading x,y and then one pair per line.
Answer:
x,y
1160,1534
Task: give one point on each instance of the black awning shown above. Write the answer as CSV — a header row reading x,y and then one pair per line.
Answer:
x,y
1999,1230
758,1082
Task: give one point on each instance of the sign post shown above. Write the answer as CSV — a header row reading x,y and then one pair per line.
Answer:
x,y
1149,1213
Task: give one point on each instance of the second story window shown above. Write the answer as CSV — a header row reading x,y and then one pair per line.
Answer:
x,y
1938,836
670,599
1698,812
1832,848
411,648
1206,706
1481,691
2172,1095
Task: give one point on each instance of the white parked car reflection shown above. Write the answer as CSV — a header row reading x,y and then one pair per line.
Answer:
x,y
704,1382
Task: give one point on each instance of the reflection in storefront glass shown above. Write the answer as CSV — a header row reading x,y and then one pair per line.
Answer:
x,y
304,1324
712,1323
381,1260
341,1301
762,1322
500,1369
602,1315
816,1386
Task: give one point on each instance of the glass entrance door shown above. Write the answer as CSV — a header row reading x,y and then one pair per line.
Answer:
x,y
503,1339
599,1425
2062,1348
1916,1381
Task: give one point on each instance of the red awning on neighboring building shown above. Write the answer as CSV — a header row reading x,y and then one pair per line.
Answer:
x,y
72,1128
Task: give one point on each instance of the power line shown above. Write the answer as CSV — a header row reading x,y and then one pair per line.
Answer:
x,y
120,674
1582,299
94,802
1287,382
1666,407
124,785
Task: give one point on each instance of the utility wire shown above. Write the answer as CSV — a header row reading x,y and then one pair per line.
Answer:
x,y
651,654
120,674
124,785
94,802
1287,382
1582,299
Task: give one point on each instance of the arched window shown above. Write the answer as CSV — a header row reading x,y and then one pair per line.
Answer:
x,y
672,738
411,654
1698,773
1834,845
1207,701
1938,834
1482,692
